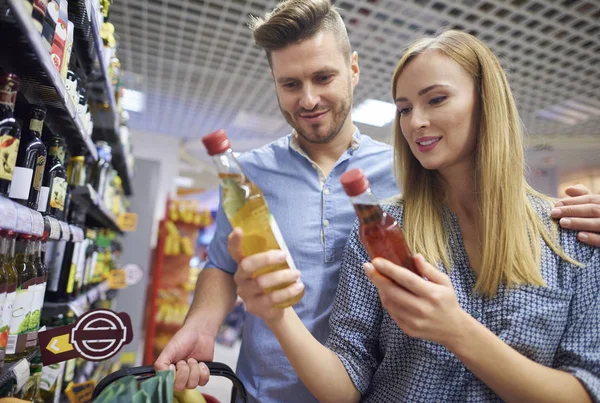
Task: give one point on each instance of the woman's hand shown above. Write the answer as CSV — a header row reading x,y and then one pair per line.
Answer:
x,y
425,309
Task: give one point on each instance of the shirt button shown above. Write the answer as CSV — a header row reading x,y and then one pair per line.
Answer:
x,y
326,191
326,223
476,314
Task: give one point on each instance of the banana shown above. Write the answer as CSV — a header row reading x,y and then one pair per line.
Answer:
x,y
189,396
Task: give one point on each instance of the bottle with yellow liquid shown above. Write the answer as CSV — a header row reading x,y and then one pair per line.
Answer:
x,y
245,207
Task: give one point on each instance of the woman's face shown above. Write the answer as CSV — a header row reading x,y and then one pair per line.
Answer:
x,y
437,100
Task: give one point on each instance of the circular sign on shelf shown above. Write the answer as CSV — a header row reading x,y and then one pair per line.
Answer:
x,y
100,334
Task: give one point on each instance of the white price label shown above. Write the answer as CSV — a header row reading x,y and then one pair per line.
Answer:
x,y
21,371
38,223
8,214
79,305
65,231
54,228
24,221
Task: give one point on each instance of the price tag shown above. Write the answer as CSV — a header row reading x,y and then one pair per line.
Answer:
x,y
54,228
8,214
128,222
21,371
38,223
117,279
24,221
65,231
77,233
80,392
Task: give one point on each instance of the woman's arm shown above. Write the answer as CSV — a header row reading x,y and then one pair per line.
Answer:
x,y
319,368
430,310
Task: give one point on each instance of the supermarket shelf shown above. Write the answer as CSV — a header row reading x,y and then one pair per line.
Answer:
x,y
22,50
106,120
18,218
97,214
82,303
11,370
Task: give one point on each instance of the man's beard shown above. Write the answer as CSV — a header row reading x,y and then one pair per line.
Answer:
x,y
339,116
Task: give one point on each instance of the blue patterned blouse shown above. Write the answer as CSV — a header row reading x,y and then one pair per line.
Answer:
x,y
556,326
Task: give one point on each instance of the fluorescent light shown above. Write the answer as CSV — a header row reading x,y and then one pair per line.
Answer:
x,y
582,107
546,114
570,112
184,182
374,113
134,101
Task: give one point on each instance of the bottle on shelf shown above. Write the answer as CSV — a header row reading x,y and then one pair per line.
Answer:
x,y
10,130
27,275
49,25
245,206
379,232
55,179
38,299
39,13
76,170
31,160
11,280
70,365
31,390
101,168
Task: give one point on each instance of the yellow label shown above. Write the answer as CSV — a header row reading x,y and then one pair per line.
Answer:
x,y
59,192
39,172
71,281
117,279
36,125
60,344
128,222
58,152
80,392
9,148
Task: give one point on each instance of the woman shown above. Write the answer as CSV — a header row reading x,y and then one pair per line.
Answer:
x,y
511,310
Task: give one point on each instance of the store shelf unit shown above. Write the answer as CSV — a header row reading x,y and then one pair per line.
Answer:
x,y
18,218
106,118
82,303
22,50
97,213
17,370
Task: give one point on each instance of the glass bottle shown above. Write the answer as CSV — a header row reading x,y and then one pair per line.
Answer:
x,y
27,275
10,130
101,168
379,232
76,172
245,207
10,274
55,179
31,390
29,170
39,13
38,299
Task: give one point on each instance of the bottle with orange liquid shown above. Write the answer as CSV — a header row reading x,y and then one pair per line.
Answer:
x,y
245,207
379,232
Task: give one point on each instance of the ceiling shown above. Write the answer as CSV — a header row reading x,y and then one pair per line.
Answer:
x,y
197,65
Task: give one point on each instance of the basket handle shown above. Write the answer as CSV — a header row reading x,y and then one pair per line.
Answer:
x,y
215,368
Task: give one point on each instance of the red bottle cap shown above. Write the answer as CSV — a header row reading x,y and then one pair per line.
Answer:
x,y
216,142
354,182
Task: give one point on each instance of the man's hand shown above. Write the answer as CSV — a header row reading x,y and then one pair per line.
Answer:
x,y
580,212
253,289
183,353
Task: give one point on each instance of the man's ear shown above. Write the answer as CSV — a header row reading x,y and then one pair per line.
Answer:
x,y
354,68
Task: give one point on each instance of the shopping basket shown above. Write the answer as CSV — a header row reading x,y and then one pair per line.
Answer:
x,y
146,372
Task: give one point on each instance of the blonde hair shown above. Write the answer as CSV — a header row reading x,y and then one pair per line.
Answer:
x,y
293,21
509,225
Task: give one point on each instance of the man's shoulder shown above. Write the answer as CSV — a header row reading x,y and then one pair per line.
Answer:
x,y
374,146
265,156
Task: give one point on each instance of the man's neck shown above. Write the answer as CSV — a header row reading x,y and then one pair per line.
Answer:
x,y
325,155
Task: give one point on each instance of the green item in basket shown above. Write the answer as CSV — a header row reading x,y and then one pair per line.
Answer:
x,y
151,387
141,397
168,385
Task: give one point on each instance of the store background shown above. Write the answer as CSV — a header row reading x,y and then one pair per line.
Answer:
x,y
196,70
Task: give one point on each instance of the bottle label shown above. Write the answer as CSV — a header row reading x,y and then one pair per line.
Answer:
x,y
73,268
59,192
19,321
8,98
281,241
54,264
34,318
9,148
38,13
9,301
21,183
39,172
58,152
70,370
3,325
50,374
43,199
36,125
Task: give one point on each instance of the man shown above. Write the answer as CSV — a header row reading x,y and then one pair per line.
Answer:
x,y
315,72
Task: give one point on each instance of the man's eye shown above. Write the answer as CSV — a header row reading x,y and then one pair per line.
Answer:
x,y
324,78
289,85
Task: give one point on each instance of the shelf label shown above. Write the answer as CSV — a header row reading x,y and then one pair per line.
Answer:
x,y
65,231
117,279
21,371
38,223
128,222
96,336
77,233
80,392
8,214
54,228
24,220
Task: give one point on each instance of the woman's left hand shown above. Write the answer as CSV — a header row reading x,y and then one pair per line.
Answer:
x,y
425,309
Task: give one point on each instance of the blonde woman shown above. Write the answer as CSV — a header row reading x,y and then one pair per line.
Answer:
x,y
508,304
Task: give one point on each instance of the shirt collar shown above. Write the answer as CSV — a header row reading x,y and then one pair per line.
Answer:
x,y
354,144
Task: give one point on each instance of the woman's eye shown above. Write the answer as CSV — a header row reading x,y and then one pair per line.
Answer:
x,y
403,111
437,100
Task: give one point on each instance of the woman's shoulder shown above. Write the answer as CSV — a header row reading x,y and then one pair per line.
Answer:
x,y
394,206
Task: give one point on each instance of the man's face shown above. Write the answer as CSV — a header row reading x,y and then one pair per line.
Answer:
x,y
314,83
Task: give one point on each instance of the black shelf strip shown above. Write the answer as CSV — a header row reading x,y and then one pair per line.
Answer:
x,y
97,214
